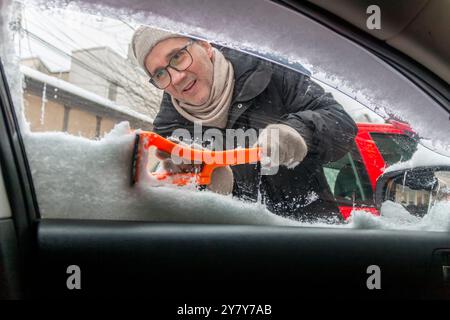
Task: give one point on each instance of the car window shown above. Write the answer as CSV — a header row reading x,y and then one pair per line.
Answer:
x,y
82,97
395,147
348,179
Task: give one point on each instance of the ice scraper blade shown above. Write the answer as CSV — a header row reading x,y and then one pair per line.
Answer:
x,y
135,160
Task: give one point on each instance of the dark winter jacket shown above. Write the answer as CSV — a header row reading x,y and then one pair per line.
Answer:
x,y
267,93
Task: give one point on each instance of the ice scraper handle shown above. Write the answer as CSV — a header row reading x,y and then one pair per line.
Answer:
x,y
209,159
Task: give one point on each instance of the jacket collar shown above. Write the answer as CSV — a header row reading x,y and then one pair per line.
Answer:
x,y
252,75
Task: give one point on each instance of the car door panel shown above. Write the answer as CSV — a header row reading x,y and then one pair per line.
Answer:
x,y
129,259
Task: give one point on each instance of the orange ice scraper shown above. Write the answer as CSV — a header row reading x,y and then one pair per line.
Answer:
x,y
208,159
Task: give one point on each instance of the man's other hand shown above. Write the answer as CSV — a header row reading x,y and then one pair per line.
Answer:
x,y
281,145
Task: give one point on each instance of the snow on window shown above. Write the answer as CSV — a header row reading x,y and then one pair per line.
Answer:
x,y
77,178
96,186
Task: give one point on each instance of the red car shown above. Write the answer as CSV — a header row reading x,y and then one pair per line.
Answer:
x,y
352,179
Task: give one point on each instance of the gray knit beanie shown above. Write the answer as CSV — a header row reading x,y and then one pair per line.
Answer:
x,y
144,39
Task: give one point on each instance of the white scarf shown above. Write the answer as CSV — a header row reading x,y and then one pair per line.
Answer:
x,y
214,112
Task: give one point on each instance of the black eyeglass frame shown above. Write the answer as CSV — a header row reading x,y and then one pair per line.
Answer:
x,y
184,48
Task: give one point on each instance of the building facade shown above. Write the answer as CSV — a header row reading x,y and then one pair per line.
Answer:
x,y
100,90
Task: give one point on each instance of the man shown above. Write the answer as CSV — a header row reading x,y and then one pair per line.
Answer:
x,y
226,89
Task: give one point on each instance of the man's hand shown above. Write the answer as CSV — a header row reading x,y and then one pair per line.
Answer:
x,y
179,166
281,145
221,178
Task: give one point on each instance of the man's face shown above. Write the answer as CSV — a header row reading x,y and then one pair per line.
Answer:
x,y
192,85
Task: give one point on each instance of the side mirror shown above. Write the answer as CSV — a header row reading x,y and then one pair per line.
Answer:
x,y
417,189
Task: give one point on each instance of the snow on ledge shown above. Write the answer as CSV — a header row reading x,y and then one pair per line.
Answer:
x,y
71,88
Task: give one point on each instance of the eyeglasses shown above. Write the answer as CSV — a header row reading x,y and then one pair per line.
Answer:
x,y
180,61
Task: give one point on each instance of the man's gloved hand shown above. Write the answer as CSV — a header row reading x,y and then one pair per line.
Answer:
x,y
221,178
291,146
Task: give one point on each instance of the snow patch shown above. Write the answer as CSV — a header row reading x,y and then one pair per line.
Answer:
x,y
310,198
78,178
395,217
